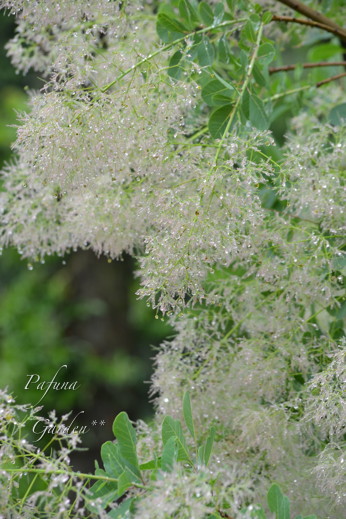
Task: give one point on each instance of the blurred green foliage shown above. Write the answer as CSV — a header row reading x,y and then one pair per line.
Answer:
x,y
37,313
12,95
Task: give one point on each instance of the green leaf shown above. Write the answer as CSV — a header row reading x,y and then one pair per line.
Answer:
x,y
219,12
267,17
206,53
223,50
175,70
230,4
218,121
172,428
259,513
149,465
221,100
255,19
285,509
110,457
209,446
123,510
200,454
215,88
324,51
339,263
268,197
258,76
245,105
126,436
337,115
187,411
225,83
124,482
278,503
266,53
105,491
257,115
244,60
274,498
255,512
206,14
171,24
278,111
169,454
188,13
248,32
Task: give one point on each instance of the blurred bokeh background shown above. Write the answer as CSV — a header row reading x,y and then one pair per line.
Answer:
x,y
79,310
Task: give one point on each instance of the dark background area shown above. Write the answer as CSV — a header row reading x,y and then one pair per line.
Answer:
x,y
80,310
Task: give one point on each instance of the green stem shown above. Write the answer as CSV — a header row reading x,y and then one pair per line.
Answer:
x,y
70,473
241,93
60,471
288,92
27,492
167,47
202,131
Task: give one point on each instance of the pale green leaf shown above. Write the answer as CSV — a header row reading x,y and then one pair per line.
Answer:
x,y
206,53
169,454
175,70
187,411
266,53
278,503
111,459
209,446
213,89
218,121
172,428
337,115
124,482
257,114
126,436
123,510
188,13
170,23
206,14
324,51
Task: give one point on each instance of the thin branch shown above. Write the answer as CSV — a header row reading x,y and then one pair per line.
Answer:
x,y
314,15
223,514
288,92
333,78
168,47
241,94
325,27
286,68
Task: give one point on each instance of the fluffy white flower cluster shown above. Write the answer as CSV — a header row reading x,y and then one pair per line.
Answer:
x,y
66,40
177,494
22,463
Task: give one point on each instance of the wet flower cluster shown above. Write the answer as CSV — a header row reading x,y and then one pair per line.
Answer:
x,y
34,482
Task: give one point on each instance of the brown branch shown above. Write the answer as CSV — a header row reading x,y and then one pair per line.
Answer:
x,y
314,15
286,68
333,78
290,19
223,514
